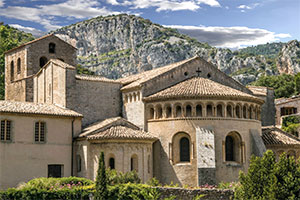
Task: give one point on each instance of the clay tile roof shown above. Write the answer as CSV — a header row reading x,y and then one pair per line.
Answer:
x,y
276,136
95,78
115,128
35,108
258,90
200,87
122,132
98,125
38,39
138,79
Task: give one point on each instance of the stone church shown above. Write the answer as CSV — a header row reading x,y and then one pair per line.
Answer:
x,y
186,123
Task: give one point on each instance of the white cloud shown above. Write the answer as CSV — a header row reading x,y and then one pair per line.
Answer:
x,y
248,7
45,14
165,5
113,2
1,3
31,30
230,37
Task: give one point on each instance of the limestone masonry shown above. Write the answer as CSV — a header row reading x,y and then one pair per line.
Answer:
x,y
186,123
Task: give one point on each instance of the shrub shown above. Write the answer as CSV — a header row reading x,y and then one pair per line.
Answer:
x,y
267,179
101,180
115,177
131,191
50,183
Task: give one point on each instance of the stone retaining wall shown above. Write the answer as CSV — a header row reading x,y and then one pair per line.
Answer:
x,y
189,194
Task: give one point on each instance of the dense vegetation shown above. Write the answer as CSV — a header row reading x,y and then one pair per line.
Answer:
x,y
268,179
270,50
291,125
284,85
9,38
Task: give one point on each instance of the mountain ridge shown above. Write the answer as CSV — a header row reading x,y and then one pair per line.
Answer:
x,y
119,45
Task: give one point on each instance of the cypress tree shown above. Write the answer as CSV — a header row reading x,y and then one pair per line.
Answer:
x,y
101,180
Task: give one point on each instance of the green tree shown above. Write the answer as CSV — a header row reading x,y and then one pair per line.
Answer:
x,y
297,83
287,173
82,70
283,85
256,184
101,180
267,179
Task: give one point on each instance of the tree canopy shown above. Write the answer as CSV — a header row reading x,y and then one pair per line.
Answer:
x,y
284,85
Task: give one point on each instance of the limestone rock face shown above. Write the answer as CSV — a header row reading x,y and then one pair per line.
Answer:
x,y
289,58
117,46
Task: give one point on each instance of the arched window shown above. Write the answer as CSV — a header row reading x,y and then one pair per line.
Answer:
x,y
151,113
219,110
43,61
178,111
130,97
209,111
199,111
134,163
229,146
234,148
19,66
168,112
134,96
188,111
158,112
111,163
250,113
229,110
244,112
238,111
12,70
51,47
184,146
78,161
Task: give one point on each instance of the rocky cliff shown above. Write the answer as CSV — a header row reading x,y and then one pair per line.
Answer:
x,y
288,60
117,46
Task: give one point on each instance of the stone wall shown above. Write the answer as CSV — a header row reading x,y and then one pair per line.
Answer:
x,y
286,103
186,173
95,100
30,64
189,194
122,152
134,108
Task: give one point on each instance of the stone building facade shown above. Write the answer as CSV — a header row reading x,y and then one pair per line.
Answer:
x,y
286,107
186,123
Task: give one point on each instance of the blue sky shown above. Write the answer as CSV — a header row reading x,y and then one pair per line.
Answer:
x,y
221,23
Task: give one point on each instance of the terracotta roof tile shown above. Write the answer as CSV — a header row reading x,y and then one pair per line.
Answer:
x,y
276,136
115,128
35,108
99,125
200,87
258,90
138,79
95,78
122,132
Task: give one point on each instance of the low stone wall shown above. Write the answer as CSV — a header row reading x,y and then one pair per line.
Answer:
x,y
189,194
